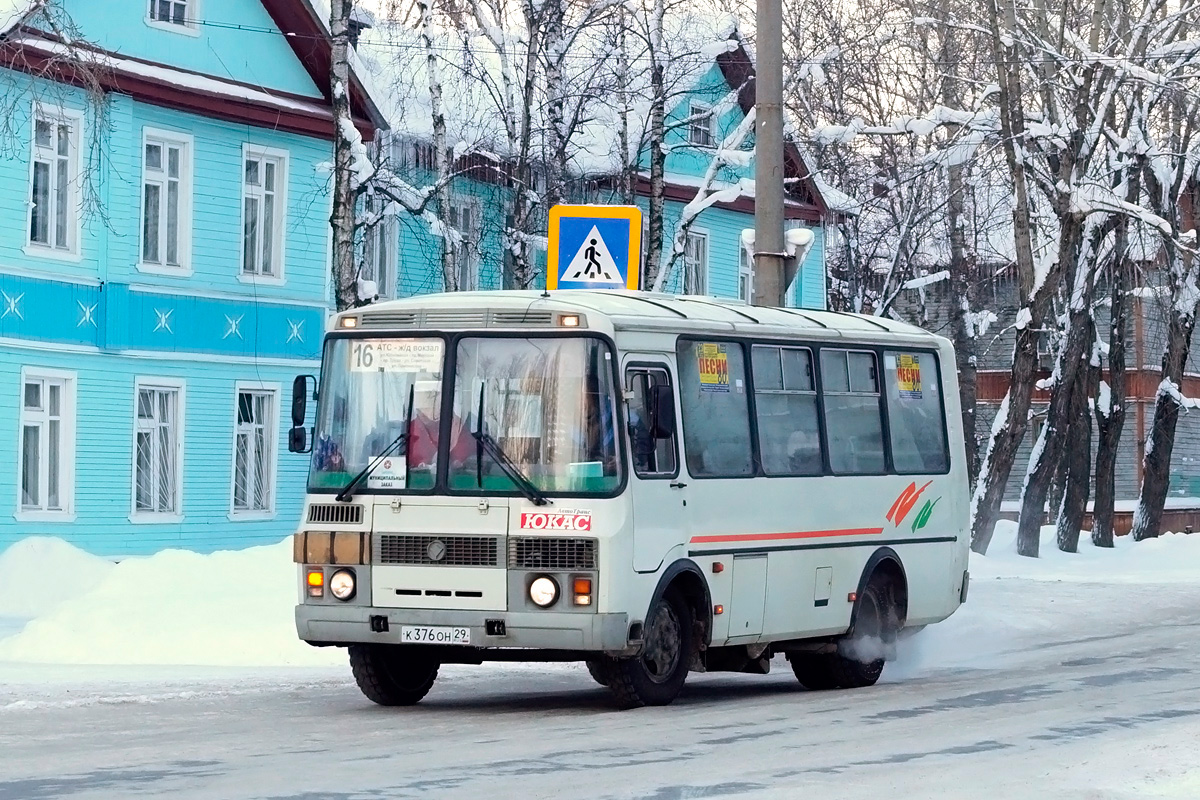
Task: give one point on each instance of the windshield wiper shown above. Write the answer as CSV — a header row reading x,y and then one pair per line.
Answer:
x,y
399,445
486,443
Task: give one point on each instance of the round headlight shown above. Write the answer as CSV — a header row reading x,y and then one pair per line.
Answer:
x,y
543,591
341,584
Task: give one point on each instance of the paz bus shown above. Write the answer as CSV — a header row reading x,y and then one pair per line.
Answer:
x,y
649,484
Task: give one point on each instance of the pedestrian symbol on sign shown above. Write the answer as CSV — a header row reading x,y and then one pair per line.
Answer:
x,y
593,263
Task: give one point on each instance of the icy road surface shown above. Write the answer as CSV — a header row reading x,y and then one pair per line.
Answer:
x,y
1036,689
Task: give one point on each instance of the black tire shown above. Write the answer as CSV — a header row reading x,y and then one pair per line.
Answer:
x,y
392,675
813,671
655,676
595,668
860,657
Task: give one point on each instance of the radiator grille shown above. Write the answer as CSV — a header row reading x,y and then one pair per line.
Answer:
x,y
336,513
551,553
457,551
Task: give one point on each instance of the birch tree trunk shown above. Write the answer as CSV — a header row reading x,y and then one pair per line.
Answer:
x,y
656,202
441,156
345,275
1013,416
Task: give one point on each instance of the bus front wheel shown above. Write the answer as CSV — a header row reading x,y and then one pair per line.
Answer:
x,y
655,676
391,675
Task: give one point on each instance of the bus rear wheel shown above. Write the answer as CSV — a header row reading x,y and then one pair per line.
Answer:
x,y
595,668
392,675
655,676
859,658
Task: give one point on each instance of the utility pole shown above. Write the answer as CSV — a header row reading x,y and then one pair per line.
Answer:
x,y
769,284
345,276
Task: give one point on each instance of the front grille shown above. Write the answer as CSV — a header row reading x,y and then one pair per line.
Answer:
x,y
459,551
551,553
389,319
521,319
337,513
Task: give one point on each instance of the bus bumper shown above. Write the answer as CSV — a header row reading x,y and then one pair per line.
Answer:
x,y
340,625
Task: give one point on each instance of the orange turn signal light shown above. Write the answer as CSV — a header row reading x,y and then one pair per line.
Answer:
x,y
583,585
718,610
316,578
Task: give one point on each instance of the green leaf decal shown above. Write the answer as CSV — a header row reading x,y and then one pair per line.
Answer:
x,y
922,518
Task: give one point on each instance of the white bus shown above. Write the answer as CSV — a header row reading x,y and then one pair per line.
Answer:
x,y
650,484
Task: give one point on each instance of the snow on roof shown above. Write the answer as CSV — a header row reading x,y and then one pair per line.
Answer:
x,y
358,69
13,12
184,79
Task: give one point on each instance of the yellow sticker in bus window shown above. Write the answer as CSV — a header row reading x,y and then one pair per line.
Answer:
x,y
713,360
908,376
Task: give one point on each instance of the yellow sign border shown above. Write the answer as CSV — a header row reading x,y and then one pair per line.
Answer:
x,y
631,213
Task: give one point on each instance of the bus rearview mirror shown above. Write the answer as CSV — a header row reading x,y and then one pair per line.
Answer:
x,y
298,440
299,400
662,412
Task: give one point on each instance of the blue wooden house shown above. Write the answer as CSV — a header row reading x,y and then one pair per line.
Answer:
x,y
164,266
698,121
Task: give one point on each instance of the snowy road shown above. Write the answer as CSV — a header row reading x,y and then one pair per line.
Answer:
x,y
1036,689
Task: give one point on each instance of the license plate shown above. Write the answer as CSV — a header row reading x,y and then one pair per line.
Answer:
x,y
434,634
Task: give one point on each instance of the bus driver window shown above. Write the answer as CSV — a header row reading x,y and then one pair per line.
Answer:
x,y
652,457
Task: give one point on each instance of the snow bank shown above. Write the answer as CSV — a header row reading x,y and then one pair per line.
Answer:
x,y
1171,558
230,608
43,572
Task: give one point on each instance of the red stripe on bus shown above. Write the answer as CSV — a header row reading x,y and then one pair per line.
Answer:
x,y
765,537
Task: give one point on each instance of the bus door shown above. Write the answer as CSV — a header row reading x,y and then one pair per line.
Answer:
x,y
652,429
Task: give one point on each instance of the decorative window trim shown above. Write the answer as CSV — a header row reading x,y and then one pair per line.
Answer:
x,y
143,517
189,28
281,195
74,119
700,233
700,121
276,392
186,191
68,416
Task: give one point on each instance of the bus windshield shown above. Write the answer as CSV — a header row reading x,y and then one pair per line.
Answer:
x,y
548,406
366,388
548,403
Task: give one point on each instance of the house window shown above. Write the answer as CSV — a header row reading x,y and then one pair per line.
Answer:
x,y
379,248
166,202
700,125
47,442
745,276
54,188
464,218
253,451
695,264
173,12
264,195
158,453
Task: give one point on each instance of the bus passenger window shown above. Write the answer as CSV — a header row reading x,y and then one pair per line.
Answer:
x,y
854,427
652,457
785,400
915,412
716,415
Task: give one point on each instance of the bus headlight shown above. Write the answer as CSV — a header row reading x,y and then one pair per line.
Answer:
x,y
341,584
543,591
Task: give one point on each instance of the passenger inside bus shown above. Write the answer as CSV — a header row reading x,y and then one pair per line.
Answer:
x,y
424,430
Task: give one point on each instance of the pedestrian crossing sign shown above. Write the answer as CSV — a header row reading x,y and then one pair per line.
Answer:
x,y
594,247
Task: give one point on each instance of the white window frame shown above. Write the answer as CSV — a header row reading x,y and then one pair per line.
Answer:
x,y
191,15
700,125
186,144
387,230
745,274
144,516
698,272
467,249
279,222
73,119
68,381
272,429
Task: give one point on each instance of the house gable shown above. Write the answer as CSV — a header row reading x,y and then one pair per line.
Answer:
x,y
232,40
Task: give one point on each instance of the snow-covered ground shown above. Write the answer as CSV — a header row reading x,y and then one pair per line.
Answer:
x,y
1075,676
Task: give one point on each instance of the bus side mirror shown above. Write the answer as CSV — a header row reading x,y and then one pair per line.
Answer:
x,y
298,435
662,411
